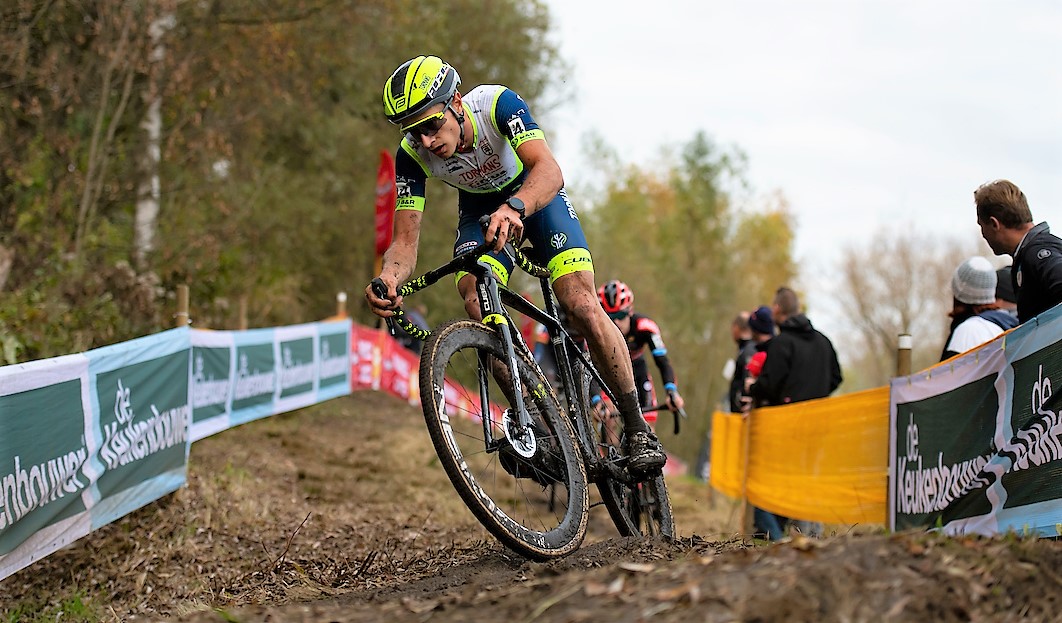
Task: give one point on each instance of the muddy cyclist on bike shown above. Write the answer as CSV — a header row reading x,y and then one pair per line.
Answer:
x,y
487,145
641,333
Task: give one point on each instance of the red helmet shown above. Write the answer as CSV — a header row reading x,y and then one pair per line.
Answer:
x,y
616,298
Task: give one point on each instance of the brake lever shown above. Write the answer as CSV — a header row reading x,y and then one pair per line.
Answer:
x,y
680,413
380,290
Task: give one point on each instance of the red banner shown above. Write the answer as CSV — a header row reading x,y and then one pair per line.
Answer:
x,y
386,195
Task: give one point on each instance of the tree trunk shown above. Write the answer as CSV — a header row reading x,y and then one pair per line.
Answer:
x,y
149,190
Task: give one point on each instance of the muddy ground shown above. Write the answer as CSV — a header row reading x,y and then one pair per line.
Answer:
x,y
340,512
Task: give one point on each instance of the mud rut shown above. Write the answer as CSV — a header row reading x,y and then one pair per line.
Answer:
x,y
339,512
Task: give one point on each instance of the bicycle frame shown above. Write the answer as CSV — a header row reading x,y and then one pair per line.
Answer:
x,y
494,299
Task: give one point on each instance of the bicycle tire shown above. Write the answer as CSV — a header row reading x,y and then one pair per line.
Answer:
x,y
642,509
511,506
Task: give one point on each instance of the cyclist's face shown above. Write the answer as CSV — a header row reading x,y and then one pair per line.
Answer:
x,y
436,130
622,321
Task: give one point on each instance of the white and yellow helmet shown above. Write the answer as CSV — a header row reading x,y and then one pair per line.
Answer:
x,y
417,85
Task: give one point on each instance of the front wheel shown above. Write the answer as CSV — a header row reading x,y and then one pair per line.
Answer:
x,y
503,487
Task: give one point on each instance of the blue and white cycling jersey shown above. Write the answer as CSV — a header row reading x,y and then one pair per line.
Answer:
x,y
486,176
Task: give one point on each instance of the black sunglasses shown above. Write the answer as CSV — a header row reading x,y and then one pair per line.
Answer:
x,y
429,126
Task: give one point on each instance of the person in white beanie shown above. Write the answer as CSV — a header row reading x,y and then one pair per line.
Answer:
x,y
975,315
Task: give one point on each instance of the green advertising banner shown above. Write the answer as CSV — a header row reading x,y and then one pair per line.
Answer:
x,y
86,439
240,376
976,442
43,453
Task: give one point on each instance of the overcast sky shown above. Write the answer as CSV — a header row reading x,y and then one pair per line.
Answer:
x,y
863,112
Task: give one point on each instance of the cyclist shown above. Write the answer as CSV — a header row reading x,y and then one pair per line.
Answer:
x,y
487,145
640,331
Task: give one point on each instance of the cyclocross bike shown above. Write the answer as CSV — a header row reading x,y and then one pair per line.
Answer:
x,y
501,433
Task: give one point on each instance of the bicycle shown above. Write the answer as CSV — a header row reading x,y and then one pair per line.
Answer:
x,y
515,436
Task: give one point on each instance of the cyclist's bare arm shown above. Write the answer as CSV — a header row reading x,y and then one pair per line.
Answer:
x,y
398,261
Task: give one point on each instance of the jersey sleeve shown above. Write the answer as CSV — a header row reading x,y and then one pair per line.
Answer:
x,y
513,119
410,178
650,333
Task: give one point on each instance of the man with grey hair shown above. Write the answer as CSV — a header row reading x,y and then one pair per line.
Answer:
x,y
1007,226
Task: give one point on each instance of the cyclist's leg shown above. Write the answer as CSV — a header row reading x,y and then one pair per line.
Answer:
x,y
469,236
560,243
646,393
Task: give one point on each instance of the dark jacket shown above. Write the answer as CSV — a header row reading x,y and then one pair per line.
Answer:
x,y
737,382
801,365
1037,272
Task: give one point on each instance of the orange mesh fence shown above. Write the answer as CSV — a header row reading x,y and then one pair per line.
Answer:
x,y
821,460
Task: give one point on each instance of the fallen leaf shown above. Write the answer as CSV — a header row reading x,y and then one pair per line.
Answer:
x,y
636,567
689,589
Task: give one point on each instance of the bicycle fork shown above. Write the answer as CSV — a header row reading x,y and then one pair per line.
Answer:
x,y
493,313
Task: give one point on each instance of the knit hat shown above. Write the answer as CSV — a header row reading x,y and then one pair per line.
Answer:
x,y
761,321
1004,287
974,282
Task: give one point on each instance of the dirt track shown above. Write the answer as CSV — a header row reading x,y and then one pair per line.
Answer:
x,y
340,513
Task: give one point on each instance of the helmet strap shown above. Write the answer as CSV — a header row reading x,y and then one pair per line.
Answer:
x,y
460,123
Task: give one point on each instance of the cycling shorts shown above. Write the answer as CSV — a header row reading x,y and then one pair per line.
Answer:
x,y
556,237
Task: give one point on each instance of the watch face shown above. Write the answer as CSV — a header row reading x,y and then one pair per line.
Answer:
x,y
516,204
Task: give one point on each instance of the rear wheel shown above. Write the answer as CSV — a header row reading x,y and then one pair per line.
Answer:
x,y
639,509
504,483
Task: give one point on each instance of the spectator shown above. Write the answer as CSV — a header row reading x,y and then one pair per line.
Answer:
x,y
742,336
801,362
761,324
1005,298
975,317
801,365
1007,226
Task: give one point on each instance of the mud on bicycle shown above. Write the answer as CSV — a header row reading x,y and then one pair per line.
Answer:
x,y
520,459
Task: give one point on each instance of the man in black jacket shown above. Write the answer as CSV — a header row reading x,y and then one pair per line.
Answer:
x,y
1007,226
801,362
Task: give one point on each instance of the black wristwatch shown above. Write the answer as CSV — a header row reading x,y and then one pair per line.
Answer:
x,y
517,205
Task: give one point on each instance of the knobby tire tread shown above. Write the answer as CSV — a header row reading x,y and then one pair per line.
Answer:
x,y
560,541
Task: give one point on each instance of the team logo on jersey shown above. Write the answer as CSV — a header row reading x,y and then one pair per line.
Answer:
x,y
1017,277
465,246
402,188
1043,254
558,240
516,126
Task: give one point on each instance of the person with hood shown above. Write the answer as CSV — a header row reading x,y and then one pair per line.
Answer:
x,y
801,362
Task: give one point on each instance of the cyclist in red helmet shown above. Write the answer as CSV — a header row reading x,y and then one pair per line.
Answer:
x,y
640,332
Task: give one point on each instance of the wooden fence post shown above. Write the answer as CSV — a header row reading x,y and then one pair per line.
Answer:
x,y
903,354
341,304
181,317
747,528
